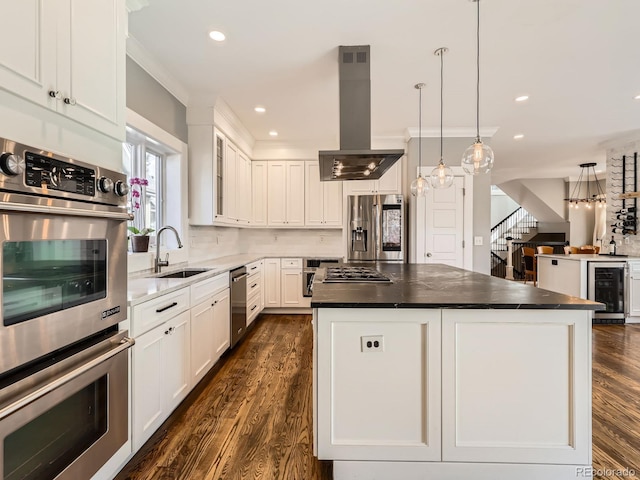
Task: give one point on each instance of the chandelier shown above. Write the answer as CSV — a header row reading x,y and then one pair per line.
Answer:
x,y
592,194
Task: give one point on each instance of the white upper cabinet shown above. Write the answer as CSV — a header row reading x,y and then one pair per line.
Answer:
x,y
219,179
323,200
231,159
285,197
243,189
390,183
68,56
259,186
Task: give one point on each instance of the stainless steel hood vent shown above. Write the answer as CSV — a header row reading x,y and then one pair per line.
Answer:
x,y
355,160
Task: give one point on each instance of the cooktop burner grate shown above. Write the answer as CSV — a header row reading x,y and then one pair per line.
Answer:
x,y
354,274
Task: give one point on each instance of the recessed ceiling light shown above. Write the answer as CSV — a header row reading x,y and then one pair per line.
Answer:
x,y
260,109
637,97
273,133
522,98
518,136
217,36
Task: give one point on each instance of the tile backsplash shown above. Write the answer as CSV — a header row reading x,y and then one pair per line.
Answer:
x,y
214,242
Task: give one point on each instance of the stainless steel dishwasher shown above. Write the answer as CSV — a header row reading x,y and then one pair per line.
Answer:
x,y
238,304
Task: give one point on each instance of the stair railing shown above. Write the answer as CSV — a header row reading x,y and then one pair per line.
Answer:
x,y
517,219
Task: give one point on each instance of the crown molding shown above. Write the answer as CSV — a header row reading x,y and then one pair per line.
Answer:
x,y
229,123
452,132
153,67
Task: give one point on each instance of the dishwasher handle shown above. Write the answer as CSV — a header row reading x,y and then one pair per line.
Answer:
x,y
240,277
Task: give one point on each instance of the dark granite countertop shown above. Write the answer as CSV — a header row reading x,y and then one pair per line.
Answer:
x,y
440,286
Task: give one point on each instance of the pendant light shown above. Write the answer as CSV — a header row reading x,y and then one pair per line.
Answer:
x,y
478,158
441,176
420,186
592,194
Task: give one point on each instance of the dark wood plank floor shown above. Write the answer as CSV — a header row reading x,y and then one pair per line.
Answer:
x,y
616,401
251,418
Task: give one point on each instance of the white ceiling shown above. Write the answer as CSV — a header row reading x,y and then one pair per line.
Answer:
x,y
577,59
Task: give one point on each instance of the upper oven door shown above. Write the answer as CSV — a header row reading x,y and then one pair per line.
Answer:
x,y
64,275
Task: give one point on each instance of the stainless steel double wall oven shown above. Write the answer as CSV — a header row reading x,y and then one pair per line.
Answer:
x,y
63,363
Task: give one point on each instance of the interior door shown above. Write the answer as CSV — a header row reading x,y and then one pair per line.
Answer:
x,y
444,221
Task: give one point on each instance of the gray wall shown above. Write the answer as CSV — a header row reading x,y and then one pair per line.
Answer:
x,y
148,98
453,150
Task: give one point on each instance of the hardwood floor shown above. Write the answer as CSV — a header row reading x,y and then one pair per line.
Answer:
x,y
616,401
252,417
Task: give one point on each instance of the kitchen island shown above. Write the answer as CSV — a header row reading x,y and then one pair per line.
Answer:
x,y
450,374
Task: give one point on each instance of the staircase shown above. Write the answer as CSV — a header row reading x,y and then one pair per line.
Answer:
x,y
519,225
516,225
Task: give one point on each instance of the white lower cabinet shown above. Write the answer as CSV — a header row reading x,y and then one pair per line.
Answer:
x,y
221,323
283,282
291,282
170,358
634,292
271,282
160,375
202,335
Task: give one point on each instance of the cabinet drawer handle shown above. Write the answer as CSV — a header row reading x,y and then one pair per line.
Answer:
x,y
254,285
254,307
253,268
160,310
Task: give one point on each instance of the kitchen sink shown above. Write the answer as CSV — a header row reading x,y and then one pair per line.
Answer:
x,y
186,273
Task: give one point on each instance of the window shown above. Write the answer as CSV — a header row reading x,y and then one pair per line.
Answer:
x,y
145,159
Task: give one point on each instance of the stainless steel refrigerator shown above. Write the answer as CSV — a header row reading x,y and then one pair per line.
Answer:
x,y
376,226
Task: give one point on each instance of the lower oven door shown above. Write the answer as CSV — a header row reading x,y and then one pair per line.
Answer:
x,y
607,284
70,426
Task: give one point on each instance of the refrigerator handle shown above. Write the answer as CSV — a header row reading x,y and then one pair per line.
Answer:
x,y
378,229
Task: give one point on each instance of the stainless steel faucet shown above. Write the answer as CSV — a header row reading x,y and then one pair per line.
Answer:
x,y
163,263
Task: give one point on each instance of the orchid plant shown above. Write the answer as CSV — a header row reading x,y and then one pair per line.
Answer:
x,y
137,184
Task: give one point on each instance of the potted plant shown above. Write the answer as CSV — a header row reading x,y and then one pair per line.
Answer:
x,y
140,239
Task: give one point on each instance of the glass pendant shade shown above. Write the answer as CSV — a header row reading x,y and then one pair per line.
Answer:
x,y
478,158
441,176
419,187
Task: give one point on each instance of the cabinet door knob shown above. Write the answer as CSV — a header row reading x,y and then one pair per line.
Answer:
x,y
70,101
54,94
428,254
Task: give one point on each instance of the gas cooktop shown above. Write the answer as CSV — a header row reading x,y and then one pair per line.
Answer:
x,y
354,274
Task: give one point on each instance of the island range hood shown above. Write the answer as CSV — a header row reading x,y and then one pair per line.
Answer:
x,y
355,160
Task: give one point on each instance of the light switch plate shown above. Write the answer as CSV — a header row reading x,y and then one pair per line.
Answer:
x,y
478,241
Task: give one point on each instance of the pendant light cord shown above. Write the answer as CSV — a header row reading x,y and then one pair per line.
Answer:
x,y
478,72
441,97
420,132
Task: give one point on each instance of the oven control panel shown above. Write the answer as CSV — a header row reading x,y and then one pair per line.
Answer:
x,y
49,173
25,169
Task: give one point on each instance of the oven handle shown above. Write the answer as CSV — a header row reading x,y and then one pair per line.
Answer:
x,y
124,344
78,212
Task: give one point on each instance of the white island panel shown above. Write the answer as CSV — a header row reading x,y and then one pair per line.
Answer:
x,y
516,386
384,404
